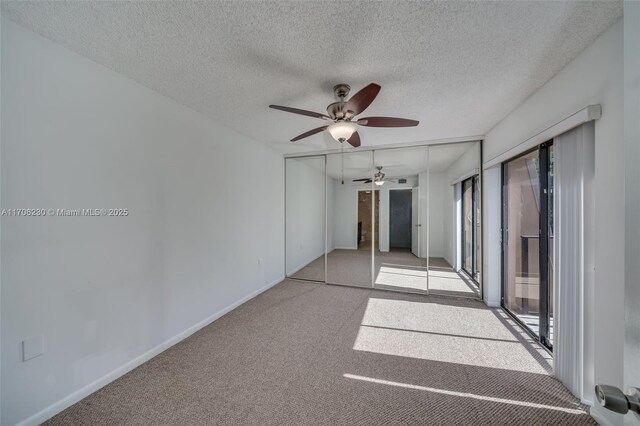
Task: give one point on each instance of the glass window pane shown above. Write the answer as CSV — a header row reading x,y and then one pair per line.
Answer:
x,y
467,226
478,230
522,266
551,248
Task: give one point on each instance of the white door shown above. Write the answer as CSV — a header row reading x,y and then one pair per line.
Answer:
x,y
415,222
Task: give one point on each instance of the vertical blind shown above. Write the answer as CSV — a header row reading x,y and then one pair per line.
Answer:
x,y
573,275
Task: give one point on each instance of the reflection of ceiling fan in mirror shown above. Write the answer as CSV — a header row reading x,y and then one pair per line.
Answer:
x,y
342,114
379,179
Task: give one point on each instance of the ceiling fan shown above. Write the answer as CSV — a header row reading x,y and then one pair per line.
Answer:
x,y
342,115
378,178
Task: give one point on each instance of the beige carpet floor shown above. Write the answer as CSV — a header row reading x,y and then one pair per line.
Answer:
x,y
397,270
312,354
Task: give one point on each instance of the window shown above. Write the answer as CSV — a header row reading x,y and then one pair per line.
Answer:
x,y
470,228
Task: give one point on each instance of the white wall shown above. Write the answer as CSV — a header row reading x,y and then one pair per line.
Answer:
x,y
305,210
492,236
423,213
437,207
331,214
594,77
632,197
466,165
205,205
449,222
345,214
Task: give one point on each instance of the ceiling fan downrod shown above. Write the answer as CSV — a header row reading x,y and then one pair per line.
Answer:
x,y
342,159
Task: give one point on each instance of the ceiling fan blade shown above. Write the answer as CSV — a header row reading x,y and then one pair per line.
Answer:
x,y
362,180
354,140
387,122
301,112
309,133
361,100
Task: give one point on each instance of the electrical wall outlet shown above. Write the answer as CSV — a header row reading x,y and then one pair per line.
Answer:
x,y
32,347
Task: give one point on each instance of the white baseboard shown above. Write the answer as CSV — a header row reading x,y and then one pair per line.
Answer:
x,y
87,390
492,303
303,265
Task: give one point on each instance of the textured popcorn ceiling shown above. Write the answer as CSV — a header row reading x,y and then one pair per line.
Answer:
x,y
458,67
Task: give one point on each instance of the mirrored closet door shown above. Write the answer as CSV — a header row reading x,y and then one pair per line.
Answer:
x,y
305,218
399,219
454,219
353,213
400,261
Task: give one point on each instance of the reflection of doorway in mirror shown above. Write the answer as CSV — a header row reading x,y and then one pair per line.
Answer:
x,y
400,218
365,230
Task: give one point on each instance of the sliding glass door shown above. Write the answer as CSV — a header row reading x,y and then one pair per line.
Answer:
x,y
470,227
527,240
546,244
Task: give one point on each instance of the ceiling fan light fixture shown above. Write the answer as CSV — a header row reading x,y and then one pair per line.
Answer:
x,y
379,182
341,130
343,111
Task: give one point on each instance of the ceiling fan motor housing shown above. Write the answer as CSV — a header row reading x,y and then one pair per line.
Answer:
x,y
336,110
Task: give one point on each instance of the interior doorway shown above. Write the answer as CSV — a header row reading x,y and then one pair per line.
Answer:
x,y
400,211
366,229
